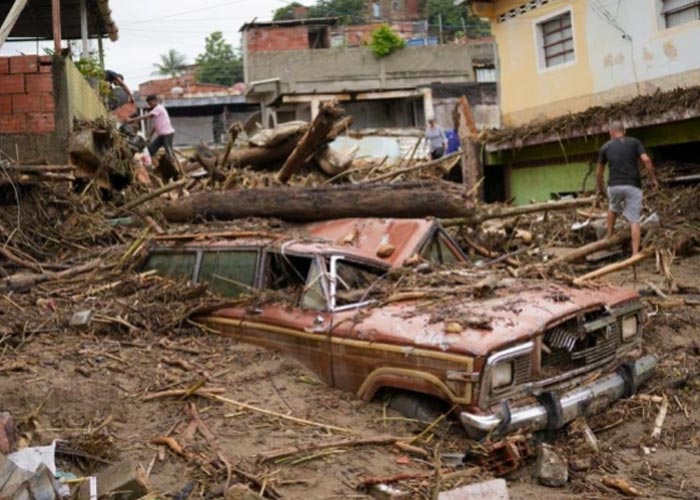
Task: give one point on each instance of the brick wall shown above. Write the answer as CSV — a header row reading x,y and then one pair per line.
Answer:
x,y
284,38
27,103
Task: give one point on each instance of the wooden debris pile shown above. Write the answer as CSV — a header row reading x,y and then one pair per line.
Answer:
x,y
593,121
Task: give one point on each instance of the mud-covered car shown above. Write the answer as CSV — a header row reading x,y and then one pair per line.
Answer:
x,y
393,304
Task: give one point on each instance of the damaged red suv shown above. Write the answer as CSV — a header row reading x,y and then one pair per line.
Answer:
x,y
376,304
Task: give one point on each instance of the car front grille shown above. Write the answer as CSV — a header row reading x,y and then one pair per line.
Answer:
x,y
572,347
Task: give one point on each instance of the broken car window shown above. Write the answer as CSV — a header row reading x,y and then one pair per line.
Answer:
x,y
229,272
301,278
172,265
438,251
353,282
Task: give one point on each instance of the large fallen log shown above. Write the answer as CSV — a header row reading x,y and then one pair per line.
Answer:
x,y
258,157
315,137
400,200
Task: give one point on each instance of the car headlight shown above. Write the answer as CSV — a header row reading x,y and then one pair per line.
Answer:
x,y
629,327
501,375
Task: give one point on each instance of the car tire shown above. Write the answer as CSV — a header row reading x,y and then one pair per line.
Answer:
x,y
420,407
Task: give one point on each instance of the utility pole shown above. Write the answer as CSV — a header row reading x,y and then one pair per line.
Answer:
x,y
56,22
440,29
84,28
464,28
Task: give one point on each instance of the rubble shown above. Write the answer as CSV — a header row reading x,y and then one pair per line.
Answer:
x,y
496,489
124,481
64,254
8,437
551,469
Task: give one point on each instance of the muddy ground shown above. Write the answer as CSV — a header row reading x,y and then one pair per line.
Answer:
x,y
88,390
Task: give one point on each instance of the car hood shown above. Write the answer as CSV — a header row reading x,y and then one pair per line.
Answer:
x,y
474,326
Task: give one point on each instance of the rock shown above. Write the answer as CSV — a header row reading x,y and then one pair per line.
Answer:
x,y
241,492
581,464
551,470
80,319
8,437
585,441
496,489
123,481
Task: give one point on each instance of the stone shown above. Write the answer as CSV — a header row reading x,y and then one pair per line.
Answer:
x,y
123,481
551,469
496,489
584,440
81,319
8,436
241,492
581,464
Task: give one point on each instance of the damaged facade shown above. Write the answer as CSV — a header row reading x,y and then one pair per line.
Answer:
x,y
292,66
558,58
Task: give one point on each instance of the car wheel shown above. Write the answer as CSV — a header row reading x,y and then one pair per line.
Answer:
x,y
420,407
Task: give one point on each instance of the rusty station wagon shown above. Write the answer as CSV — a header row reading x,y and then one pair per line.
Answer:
x,y
524,354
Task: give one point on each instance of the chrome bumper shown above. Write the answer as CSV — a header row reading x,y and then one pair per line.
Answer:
x,y
555,411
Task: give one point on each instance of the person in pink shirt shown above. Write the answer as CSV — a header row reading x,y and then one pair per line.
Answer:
x,y
162,127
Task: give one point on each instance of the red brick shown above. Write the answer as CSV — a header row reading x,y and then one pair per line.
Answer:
x,y
39,83
4,65
5,105
13,124
40,123
45,64
24,64
11,84
47,102
25,103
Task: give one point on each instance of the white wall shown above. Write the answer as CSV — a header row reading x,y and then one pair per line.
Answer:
x,y
635,47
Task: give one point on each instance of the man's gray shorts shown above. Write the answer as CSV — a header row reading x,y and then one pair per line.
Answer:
x,y
626,200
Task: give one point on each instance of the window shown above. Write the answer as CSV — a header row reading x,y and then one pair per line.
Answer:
x,y
353,282
395,5
556,38
376,10
485,74
301,279
678,12
438,251
172,265
229,273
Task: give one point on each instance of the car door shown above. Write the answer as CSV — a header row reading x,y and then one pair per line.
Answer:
x,y
299,325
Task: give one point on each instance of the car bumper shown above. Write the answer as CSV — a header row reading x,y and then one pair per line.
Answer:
x,y
556,410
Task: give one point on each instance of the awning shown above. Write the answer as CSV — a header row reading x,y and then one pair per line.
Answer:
x,y
35,20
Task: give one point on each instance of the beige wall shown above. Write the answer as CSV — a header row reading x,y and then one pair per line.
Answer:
x,y
615,59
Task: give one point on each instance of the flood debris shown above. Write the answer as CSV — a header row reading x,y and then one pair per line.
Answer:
x,y
495,489
551,469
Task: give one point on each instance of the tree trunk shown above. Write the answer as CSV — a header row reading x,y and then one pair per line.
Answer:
x,y
472,170
400,200
262,157
313,139
487,212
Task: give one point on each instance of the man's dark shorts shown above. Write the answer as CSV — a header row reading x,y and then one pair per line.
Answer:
x,y
437,153
162,141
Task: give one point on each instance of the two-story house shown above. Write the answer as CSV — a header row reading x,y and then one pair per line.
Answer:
x,y
558,57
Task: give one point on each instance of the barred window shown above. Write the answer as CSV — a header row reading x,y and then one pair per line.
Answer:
x,y
678,12
557,39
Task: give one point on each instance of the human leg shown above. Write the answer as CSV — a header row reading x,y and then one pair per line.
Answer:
x,y
616,199
636,230
154,146
633,213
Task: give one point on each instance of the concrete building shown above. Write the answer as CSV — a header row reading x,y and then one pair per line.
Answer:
x,y
200,112
561,57
291,66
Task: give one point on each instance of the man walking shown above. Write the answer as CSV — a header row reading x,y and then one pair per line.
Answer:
x,y
621,153
162,127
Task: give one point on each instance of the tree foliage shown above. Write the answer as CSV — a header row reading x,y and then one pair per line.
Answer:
x,y
172,63
349,11
452,16
384,41
218,63
287,12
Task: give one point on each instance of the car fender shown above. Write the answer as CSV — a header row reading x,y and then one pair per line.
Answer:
x,y
410,380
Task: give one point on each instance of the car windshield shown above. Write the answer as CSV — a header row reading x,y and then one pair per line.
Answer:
x,y
354,282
